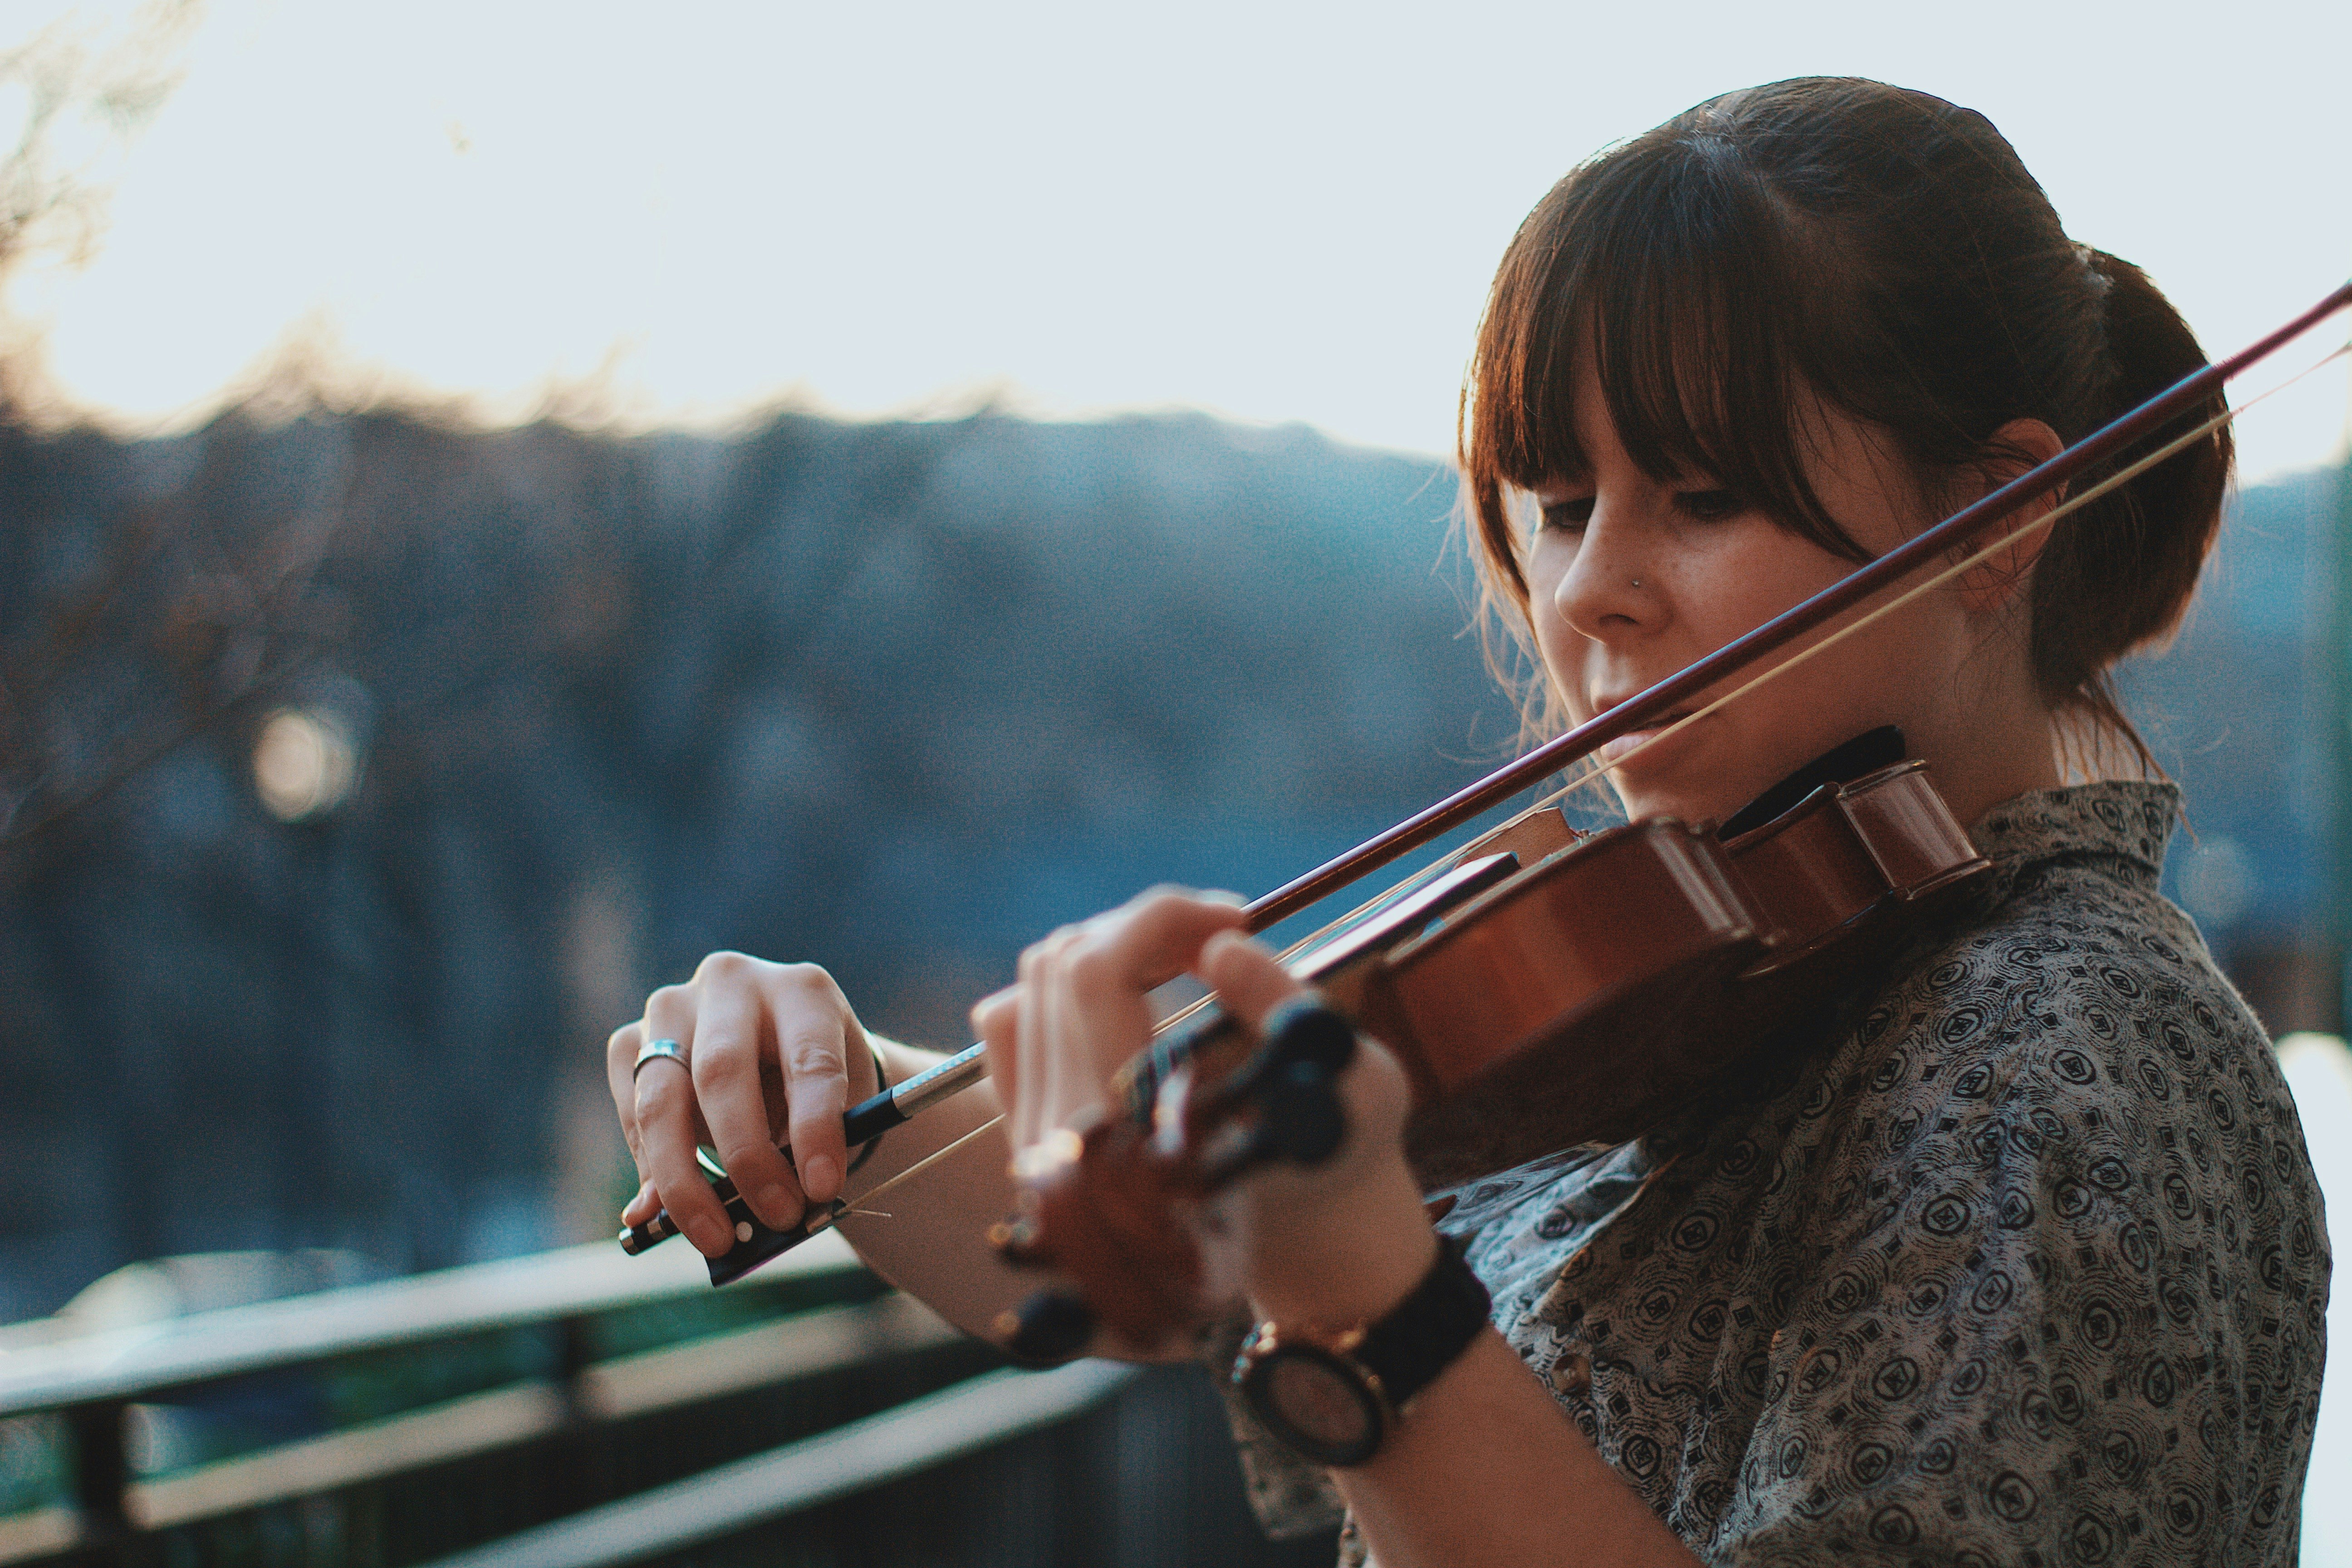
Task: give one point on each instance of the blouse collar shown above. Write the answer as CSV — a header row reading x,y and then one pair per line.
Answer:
x,y
2130,821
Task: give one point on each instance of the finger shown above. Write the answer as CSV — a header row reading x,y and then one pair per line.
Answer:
x,y
1152,939
994,1011
620,1070
994,1024
731,1026
1032,1071
815,1032
996,1021
668,1128
1097,1009
1248,980
663,1095
640,1209
1086,1025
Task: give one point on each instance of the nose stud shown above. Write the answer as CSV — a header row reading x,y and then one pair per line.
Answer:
x,y
1637,581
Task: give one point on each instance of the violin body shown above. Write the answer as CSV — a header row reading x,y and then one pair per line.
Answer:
x,y
1552,989
1542,1016
1581,1044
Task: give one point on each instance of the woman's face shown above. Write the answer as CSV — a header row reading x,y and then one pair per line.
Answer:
x,y
1631,578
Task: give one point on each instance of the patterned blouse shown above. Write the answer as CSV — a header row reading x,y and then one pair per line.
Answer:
x,y
2027,1266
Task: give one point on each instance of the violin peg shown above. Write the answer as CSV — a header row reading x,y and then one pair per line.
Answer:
x,y
1301,1032
1300,1118
1303,1120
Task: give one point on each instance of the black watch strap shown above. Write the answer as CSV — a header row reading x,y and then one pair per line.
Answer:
x,y
1335,1398
1427,1332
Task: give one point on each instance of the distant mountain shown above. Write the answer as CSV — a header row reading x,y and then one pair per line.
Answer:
x,y
895,696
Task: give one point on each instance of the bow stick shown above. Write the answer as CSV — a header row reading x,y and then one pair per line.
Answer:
x,y
873,1116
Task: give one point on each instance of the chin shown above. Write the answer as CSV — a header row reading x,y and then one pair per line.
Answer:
x,y
1693,806
1687,789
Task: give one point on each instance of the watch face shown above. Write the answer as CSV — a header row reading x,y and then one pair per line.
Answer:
x,y
1317,1404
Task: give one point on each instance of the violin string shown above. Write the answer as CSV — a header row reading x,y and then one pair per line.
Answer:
x,y
1599,771
1426,874
878,1188
1387,895
1161,1056
1594,773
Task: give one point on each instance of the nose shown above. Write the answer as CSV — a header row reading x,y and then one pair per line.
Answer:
x,y
1610,588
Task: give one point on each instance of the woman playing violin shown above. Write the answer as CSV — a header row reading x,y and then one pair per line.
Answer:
x,y
2014,1254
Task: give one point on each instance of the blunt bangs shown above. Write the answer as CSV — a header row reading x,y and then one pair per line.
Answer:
x,y
1834,244
1685,281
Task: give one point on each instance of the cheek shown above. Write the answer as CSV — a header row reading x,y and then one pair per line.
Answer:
x,y
1732,591
1546,568
1564,652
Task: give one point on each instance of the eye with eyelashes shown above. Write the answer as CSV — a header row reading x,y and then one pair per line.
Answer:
x,y
1570,514
1567,516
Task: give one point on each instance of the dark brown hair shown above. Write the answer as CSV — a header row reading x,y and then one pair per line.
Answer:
x,y
1880,249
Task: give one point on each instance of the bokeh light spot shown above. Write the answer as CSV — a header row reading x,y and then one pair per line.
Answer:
x,y
302,763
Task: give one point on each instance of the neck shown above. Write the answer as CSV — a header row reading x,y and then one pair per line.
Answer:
x,y
1998,758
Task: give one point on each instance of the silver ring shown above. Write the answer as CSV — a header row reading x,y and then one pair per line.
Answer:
x,y
660,1050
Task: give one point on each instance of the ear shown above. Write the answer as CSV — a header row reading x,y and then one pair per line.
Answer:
x,y
1993,584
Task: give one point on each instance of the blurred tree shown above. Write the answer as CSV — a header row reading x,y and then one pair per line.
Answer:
x,y
896,696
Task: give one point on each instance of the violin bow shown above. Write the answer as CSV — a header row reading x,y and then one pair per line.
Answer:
x,y
2001,541
1963,528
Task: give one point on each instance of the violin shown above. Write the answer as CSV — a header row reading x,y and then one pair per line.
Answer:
x,y
1681,948
1543,988
1549,989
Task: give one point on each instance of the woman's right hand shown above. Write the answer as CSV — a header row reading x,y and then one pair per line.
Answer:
x,y
774,1054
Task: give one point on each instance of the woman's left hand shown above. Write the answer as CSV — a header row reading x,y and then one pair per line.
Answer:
x,y
1335,1243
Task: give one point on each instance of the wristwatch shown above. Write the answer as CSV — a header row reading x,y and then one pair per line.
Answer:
x,y
1334,1397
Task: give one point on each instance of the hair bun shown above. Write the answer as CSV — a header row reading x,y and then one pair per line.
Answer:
x,y
2158,529
2148,343
1888,251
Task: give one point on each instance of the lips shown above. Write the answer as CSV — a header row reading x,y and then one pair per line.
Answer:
x,y
1627,742
1610,704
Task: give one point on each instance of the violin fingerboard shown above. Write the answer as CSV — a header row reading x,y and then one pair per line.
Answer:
x,y
1139,1083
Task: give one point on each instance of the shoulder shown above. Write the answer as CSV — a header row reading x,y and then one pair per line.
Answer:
x,y
2072,967
2062,1245
2074,993
2027,1258
2071,1048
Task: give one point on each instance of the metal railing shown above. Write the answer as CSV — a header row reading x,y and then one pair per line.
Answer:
x,y
929,1431
99,1400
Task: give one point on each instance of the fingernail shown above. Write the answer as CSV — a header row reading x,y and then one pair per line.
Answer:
x,y
821,1176
775,1206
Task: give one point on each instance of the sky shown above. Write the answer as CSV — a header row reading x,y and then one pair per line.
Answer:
x,y
1275,212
